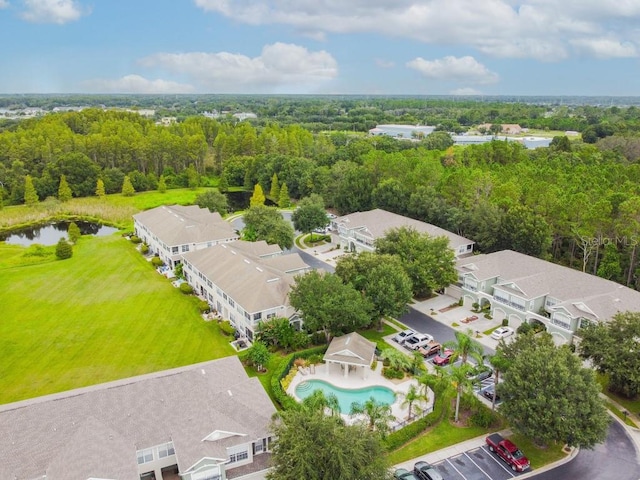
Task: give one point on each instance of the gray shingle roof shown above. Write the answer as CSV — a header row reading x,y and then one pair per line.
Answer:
x,y
257,284
536,278
95,431
178,225
352,348
377,222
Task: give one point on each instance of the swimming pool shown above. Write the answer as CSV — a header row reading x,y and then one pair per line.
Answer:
x,y
346,396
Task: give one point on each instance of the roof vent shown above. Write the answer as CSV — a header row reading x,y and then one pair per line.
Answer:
x,y
202,370
246,261
259,269
271,280
229,392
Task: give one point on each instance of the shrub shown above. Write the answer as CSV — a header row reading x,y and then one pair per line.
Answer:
x,y
277,392
300,362
505,322
135,239
483,418
400,437
74,232
144,249
524,328
203,306
389,372
488,316
225,327
157,262
318,338
63,249
474,306
374,364
315,359
186,288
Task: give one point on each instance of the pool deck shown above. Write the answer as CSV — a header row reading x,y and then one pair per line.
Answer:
x,y
355,381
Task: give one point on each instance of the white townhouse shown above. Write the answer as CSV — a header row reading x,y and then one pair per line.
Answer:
x,y
207,421
358,231
245,282
521,289
173,230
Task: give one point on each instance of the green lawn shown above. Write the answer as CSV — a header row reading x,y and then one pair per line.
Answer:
x,y
102,315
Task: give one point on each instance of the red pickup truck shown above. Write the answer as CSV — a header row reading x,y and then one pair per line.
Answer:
x,y
508,452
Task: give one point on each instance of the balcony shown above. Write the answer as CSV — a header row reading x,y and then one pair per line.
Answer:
x,y
509,304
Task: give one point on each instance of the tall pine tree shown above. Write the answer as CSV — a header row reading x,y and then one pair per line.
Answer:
x,y
100,188
127,187
283,199
64,191
275,188
258,197
30,194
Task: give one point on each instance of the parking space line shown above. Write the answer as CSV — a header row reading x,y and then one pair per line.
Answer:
x,y
454,467
478,466
499,461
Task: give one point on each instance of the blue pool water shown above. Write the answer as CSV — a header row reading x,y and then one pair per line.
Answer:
x,y
346,396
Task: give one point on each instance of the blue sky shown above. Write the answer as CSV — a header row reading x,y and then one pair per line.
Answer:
x,y
408,47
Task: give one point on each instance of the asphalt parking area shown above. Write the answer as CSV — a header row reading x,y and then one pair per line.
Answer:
x,y
476,464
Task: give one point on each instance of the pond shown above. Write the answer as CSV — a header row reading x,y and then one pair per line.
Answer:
x,y
50,234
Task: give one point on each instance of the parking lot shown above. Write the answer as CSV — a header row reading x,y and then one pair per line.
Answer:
x,y
475,464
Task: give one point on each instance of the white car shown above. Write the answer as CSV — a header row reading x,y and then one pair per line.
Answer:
x,y
417,341
404,335
502,332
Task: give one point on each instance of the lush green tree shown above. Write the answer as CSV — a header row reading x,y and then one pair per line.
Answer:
x,y
80,171
74,232
377,415
524,231
609,266
258,197
465,346
279,333
266,223
396,359
381,278
438,141
127,187
30,194
214,201
458,375
274,193
100,192
162,184
310,214
329,305
63,249
258,355
429,261
283,200
614,349
549,396
315,446
500,363
412,396
223,186
64,191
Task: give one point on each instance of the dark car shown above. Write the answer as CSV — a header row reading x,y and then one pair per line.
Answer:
x,y
479,373
489,393
424,471
443,358
404,474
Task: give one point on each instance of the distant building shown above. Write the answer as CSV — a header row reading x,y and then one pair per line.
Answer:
x,y
407,132
245,282
244,116
358,231
507,128
198,422
528,142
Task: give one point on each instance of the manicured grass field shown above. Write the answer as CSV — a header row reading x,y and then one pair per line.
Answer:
x,y
102,315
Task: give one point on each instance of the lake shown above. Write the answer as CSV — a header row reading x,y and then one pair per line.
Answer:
x,y
50,234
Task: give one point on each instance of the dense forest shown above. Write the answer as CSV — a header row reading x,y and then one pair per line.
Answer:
x,y
576,203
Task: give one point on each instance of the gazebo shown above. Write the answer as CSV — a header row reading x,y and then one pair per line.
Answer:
x,y
350,353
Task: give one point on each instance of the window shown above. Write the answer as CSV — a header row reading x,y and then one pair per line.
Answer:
x,y
174,249
145,456
239,456
166,450
257,316
232,303
270,315
185,248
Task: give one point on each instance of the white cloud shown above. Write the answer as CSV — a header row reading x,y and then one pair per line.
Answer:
x,y
541,29
279,64
463,69
605,47
465,91
4,4
382,63
52,11
136,84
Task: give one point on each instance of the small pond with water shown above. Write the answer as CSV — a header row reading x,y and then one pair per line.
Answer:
x,y
50,234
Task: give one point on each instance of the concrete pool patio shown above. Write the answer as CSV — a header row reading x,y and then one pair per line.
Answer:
x,y
372,378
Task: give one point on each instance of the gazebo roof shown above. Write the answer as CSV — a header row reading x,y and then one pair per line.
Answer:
x,y
351,349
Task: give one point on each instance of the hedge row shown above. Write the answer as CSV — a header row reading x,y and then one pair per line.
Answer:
x,y
286,402
400,437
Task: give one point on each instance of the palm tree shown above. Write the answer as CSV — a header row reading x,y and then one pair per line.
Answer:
x,y
500,363
396,358
378,414
412,396
459,378
318,401
465,346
